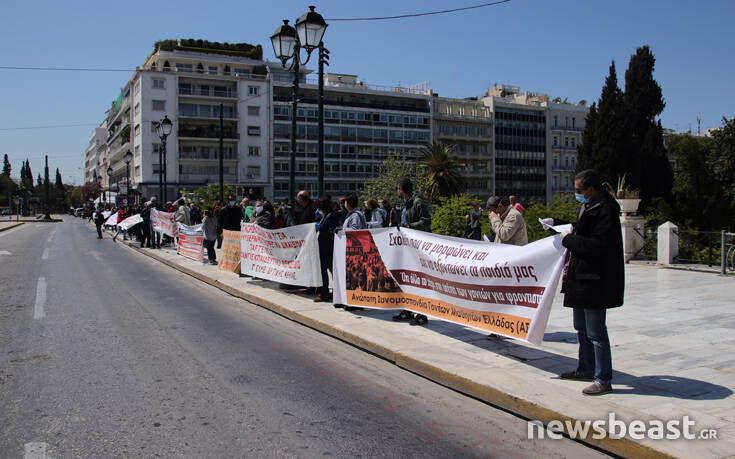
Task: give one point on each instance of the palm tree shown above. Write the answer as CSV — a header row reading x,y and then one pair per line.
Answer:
x,y
443,170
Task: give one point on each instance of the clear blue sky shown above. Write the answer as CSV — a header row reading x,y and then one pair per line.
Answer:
x,y
560,47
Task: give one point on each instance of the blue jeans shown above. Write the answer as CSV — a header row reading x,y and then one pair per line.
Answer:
x,y
155,237
594,344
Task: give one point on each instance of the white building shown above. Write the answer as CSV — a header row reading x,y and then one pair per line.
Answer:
x,y
566,122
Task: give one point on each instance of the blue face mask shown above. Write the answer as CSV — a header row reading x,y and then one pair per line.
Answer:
x,y
259,209
232,203
580,197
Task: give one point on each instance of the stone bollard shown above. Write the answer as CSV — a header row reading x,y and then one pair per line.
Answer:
x,y
668,243
632,227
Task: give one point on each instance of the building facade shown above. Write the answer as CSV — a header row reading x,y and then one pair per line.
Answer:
x,y
566,122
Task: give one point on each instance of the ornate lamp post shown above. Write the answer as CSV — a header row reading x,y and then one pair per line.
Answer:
x,y
163,130
109,183
287,43
128,158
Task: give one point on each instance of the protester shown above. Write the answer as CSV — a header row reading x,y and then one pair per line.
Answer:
x,y
122,214
395,215
416,214
506,222
378,216
355,219
196,214
209,228
473,227
282,215
230,216
155,235
305,209
182,214
594,279
326,227
341,209
145,214
387,208
247,210
99,220
215,214
264,215
514,202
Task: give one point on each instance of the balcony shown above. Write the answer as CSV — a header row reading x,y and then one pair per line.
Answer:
x,y
209,132
211,92
186,155
209,117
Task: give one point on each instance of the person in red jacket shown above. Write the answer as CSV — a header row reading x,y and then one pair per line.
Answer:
x,y
121,215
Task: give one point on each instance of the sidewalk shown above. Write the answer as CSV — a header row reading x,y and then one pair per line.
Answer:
x,y
673,349
6,225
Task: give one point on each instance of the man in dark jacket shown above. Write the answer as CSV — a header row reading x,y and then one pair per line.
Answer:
x,y
229,217
305,209
594,279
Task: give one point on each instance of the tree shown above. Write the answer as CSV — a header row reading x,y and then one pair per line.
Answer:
x,y
58,184
27,177
383,186
449,217
560,209
649,168
606,139
90,190
39,181
724,164
442,167
6,166
208,196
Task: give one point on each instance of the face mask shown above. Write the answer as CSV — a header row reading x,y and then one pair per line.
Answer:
x,y
580,197
232,203
259,209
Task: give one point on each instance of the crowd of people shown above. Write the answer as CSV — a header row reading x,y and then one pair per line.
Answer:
x,y
593,276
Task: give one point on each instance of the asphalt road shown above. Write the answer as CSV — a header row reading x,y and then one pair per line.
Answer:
x,y
106,353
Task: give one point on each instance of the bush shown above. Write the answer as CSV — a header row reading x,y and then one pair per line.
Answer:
x,y
449,217
560,209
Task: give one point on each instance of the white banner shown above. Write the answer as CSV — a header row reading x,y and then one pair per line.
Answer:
x,y
288,255
130,222
190,241
111,220
496,288
163,222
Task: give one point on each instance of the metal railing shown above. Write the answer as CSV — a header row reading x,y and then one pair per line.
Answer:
x,y
208,92
727,252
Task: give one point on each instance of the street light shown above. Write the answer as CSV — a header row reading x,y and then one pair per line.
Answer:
x,y
109,183
287,43
128,158
163,130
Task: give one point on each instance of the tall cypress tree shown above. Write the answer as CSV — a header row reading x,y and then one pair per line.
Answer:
x,y
6,166
650,170
39,181
28,178
58,184
605,140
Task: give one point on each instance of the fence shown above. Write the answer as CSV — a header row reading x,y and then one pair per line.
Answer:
x,y
709,248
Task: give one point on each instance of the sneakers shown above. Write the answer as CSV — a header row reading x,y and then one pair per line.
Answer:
x,y
597,388
213,262
576,375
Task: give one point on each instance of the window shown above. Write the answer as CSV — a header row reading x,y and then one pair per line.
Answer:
x,y
166,66
253,130
556,121
157,148
253,151
137,109
566,141
156,168
137,171
253,90
184,67
556,141
137,151
200,68
212,70
242,72
573,121
566,121
226,70
253,110
574,141
159,83
137,87
159,105
137,130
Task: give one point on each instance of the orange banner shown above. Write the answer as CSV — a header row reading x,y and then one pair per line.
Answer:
x,y
229,255
492,322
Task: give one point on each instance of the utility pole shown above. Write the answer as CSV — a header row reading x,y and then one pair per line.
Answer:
x,y
45,192
221,156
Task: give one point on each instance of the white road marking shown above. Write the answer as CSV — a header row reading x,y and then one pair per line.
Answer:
x,y
36,450
5,252
38,312
45,254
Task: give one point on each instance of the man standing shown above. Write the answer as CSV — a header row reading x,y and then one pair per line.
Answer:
x,y
305,209
594,279
229,218
99,220
506,222
416,214
473,228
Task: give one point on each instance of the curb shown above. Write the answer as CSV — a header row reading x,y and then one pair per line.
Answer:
x,y
11,227
520,407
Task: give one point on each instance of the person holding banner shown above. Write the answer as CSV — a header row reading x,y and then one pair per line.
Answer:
x,y
326,227
155,235
594,279
416,214
209,228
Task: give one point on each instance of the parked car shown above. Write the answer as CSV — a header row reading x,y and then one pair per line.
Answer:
x,y
6,211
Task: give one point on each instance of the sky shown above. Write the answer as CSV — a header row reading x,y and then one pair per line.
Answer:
x,y
561,48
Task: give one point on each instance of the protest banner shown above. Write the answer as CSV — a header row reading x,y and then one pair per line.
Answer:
x,y
190,241
130,222
288,255
111,220
496,288
229,255
163,222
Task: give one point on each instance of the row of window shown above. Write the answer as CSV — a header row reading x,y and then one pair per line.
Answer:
x,y
200,68
307,166
568,141
566,122
206,110
284,148
467,131
358,117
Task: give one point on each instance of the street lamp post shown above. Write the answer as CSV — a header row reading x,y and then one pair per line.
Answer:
x,y
287,43
128,158
109,183
163,130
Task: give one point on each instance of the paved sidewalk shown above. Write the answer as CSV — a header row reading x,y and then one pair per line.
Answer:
x,y
673,344
6,225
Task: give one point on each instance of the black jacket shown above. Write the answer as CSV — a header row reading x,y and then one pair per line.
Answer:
x,y
302,215
595,275
229,218
328,224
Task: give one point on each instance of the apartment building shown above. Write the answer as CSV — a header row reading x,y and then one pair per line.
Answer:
x,y
95,154
363,124
467,125
566,122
